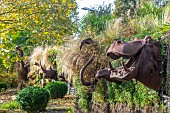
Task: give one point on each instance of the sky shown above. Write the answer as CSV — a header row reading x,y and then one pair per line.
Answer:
x,y
89,4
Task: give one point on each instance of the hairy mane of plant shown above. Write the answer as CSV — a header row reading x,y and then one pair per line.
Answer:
x,y
113,30
46,56
72,60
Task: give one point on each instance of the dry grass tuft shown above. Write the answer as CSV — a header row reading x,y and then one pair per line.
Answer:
x,y
42,55
72,59
113,28
167,14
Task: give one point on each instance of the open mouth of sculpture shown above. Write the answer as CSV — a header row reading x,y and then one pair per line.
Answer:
x,y
121,73
113,56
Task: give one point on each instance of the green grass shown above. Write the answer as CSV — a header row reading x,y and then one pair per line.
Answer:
x,y
10,105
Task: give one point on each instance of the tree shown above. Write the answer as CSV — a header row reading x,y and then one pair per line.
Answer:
x,y
96,18
124,8
161,2
34,22
46,20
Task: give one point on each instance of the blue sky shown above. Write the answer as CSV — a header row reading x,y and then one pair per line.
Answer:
x,y
90,3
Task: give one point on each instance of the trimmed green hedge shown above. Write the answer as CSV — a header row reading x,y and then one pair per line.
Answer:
x,y
57,89
33,99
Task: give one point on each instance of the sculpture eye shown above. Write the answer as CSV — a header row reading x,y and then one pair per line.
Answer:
x,y
119,41
148,39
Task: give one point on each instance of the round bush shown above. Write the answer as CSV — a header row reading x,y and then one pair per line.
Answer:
x,y
57,89
33,99
3,86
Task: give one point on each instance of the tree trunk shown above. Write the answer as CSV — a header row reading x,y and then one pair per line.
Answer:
x,y
168,68
168,73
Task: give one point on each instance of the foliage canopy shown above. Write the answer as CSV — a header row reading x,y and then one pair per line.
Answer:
x,y
30,23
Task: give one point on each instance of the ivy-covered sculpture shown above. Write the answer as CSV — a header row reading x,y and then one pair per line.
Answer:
x,y
48,73
143,64
23,69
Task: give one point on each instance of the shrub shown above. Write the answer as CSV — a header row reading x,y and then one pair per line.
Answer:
x,y
57,89
10,105
33,99
3,86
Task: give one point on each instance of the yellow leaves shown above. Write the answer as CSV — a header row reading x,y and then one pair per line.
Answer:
x,y
2,25
71,6
68,12
45,33
3,35
64,1
17,59
58,35
36,21
63,18
47,18
1,46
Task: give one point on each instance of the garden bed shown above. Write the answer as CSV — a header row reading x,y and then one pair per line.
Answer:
x,y
60,105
